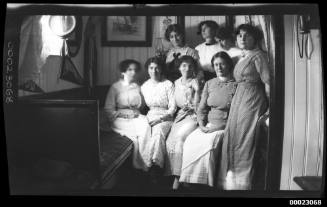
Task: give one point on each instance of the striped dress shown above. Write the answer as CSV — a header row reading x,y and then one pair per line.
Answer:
x,y
248,104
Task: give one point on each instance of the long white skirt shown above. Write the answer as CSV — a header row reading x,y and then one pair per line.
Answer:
x,y
153,147
200,154
136,129
237,181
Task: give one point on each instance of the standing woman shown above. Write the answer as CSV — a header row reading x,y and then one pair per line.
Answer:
x,y
187,97
158,94
175,35
122,106
200,151
249,103
208,48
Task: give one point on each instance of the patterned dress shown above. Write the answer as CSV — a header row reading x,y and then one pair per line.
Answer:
x,y
159,97
184,124
127,100
249,103
200,152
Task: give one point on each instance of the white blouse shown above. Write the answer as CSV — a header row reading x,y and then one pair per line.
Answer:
x,y
205,53
123,99
159,97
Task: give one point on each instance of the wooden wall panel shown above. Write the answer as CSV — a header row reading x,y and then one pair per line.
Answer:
x,y
109,57
300,86
288,143
303,126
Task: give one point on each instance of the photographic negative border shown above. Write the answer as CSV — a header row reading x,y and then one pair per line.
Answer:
x,y
277,93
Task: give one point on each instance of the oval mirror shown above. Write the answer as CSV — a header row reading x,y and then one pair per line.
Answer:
x,y
62,25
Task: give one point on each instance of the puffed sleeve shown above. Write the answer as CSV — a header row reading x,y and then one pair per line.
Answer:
x,y
261,64
171,99
110,103
202,109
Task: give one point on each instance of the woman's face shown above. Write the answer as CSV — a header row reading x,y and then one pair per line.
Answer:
x,y
186,69
154,71
207,32
245,40
221,67
130,73
176,39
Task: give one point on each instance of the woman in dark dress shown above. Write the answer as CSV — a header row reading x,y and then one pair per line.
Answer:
x,y
200,150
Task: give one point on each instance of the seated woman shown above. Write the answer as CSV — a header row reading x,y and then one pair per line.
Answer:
x,y
175,35
187,97
201,146
122,106
158,94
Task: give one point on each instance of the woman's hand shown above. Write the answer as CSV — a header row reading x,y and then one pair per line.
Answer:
x,y
266,117
155,122
212,129
204,129
208,129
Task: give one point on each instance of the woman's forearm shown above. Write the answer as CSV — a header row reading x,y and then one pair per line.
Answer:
x,y
166,117
267,90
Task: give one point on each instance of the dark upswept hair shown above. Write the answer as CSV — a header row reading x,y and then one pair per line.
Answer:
x,y
226,57
252,30
225,33
156,60
210,23
174,28
187,59
123,65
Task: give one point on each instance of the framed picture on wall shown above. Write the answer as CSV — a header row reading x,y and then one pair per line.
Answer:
x,y
165,21
126,31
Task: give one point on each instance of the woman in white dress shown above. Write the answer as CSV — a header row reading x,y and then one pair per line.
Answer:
x,y
187,97
207,29
175,35
201,148
158,94
122,107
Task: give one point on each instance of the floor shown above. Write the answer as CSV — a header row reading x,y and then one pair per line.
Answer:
x,y
126,182
135,182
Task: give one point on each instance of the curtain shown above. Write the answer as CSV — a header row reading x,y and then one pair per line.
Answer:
x,y
37,42
30,61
